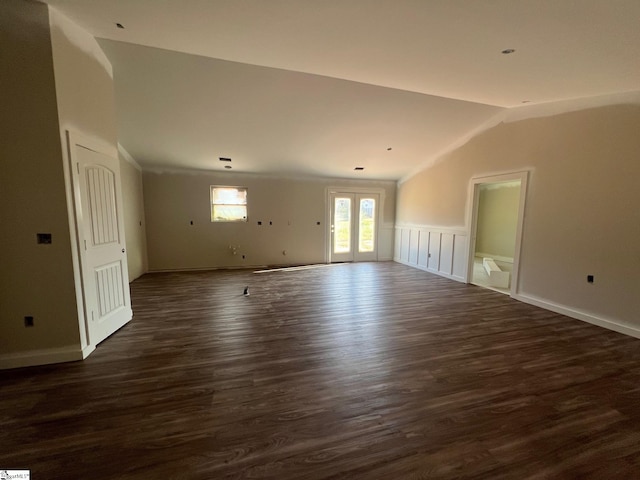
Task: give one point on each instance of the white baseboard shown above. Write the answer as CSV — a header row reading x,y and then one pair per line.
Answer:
x,y
435,272
86,351
632,331
32,358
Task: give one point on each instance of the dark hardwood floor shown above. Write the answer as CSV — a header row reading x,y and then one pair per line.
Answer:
x,y
362,371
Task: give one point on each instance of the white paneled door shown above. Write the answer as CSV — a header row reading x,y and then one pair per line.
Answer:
x,y
105,280
354,227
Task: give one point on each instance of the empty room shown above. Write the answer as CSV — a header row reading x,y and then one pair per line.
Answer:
x,y
297,239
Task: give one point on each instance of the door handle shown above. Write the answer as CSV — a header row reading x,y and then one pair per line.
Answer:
x,y
123,250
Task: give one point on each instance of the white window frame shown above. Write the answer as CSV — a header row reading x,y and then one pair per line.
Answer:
x,y
245,205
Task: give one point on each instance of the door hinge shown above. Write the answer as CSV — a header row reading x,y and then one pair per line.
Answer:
x,y
78,167
85,244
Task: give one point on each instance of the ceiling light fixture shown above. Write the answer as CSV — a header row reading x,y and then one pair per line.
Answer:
x,y
224,159
389,149
359,168
508,51
119,25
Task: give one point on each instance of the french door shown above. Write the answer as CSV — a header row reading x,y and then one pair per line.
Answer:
x,y
354,227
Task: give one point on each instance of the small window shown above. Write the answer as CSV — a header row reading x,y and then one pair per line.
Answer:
x,y
228,204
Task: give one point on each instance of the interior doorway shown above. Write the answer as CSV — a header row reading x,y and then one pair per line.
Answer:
x,y
353,226
496,231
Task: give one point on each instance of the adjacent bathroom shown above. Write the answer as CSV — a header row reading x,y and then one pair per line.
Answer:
x,y
496,230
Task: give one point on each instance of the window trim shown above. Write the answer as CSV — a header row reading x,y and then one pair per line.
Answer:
x,y
245,205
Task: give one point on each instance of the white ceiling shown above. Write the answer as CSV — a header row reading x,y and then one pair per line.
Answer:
x,y
321,86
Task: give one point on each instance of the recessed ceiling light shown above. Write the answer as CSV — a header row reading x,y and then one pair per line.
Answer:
x,y
119,25
224,159
508,51
359,168
228,167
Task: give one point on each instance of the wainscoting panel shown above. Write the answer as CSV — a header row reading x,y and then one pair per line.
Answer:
x,y
414,242
434,251
446,253
460,256
423,249
437,250
404,243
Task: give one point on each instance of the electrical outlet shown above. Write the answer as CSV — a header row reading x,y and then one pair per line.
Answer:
x,y
43,238
28,321
589,278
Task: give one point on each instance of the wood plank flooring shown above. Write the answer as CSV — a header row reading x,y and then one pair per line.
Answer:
x,y
361,371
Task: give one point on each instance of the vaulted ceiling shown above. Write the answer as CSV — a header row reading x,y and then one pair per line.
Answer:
x,y
323,86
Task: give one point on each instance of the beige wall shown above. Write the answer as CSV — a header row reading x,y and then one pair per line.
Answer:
x,y
84,82
54,78
581,215
36,280
498,219
86,103
172,201
134,221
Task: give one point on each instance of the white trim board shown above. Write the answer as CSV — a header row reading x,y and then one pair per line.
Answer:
x,y
624,329
47,356
579,315
128,157
432,228
455,278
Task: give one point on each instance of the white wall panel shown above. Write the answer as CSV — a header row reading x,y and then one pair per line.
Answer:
x,y
460,257
447,248
414,239
404,244
446,253
397,243
433,262
423,248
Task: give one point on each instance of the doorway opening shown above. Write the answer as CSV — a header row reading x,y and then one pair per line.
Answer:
x,y
353,226
496,231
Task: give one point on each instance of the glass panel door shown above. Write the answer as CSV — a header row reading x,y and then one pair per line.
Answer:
x,y
342,227
367,228
366,225
354,229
